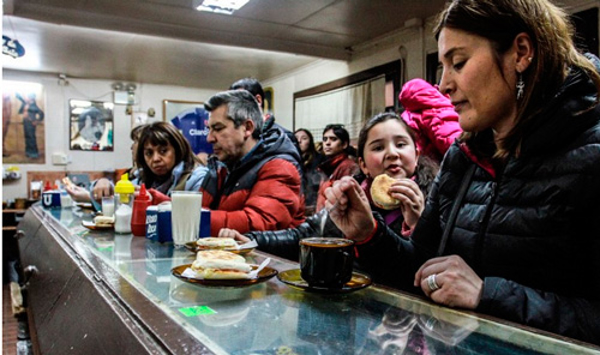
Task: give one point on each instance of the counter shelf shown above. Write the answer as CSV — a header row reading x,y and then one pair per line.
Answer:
x,y
109,289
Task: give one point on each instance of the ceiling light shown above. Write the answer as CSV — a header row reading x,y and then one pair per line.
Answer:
x,y
226,7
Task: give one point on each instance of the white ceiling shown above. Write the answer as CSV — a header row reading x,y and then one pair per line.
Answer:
x,y
168,42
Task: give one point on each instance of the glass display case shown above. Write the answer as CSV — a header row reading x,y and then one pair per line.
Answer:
x,y
117,292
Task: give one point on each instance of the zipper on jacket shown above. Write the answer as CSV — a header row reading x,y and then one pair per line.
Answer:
x,y
485,218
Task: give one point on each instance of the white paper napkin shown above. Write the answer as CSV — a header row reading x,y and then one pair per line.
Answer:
x,y
250,244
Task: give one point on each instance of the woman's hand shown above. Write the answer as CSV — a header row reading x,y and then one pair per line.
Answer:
x,y
412,201
459,285
232,233
349,209
102,188
78,194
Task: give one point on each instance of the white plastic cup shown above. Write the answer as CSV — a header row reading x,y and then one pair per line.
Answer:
x,y
108,206
186,207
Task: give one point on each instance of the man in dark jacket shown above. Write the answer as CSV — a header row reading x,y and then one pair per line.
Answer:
x,y
254,180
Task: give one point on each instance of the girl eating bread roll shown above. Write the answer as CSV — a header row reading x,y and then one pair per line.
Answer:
x,y
386,145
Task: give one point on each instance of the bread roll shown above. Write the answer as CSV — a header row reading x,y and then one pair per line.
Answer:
x,y
380,192
221,264
103,221
216,243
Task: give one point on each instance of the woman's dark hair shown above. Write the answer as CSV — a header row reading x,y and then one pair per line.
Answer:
x,y
311,152
554,52
163,134
427,168
343,135
135,132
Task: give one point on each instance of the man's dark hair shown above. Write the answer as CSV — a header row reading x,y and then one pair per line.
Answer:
x,y
252,85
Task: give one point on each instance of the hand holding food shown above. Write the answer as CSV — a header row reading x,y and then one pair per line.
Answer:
x,y
412,200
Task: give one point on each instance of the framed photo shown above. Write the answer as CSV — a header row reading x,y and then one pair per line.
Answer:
x,y
91,125
172,108
269,99
23,128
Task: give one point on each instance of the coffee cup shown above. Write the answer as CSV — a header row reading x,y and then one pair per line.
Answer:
x,y
326,262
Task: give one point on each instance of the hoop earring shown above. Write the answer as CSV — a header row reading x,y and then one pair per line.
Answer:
x,y
520,86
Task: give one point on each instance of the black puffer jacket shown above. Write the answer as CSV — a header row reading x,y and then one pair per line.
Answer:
x,y
284,243
531,232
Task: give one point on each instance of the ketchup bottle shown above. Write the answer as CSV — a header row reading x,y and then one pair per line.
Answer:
x,y
138,216
47,186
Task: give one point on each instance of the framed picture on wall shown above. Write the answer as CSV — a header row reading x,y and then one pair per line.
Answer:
x,y
91,125
172,108
23,136
269,97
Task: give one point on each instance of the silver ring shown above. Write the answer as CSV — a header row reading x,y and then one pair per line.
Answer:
x,y
432,283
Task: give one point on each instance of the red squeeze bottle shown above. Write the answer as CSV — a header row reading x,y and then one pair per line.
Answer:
x,y
138,215
47,186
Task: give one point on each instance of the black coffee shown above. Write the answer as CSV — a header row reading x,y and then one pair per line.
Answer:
x,y
326,262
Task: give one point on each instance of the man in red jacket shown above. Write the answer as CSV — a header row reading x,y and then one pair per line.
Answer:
x,y
254,179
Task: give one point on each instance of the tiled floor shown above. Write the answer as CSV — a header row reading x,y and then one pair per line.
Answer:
x,y
9,324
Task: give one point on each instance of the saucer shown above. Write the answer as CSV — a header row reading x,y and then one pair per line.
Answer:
x,y
293,279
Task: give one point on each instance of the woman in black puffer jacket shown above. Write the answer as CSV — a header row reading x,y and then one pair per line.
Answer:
x,y
386,145
524,244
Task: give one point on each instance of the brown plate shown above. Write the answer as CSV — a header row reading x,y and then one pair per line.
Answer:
x,y
293,279
94,227
263,276
193,247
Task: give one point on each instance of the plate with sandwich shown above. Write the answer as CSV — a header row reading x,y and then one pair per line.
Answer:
x,y
228,244
100,223
220,268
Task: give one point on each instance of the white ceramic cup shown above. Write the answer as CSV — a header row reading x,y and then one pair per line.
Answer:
x,y
186,207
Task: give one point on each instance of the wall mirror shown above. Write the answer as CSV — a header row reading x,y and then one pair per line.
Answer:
x,y
91,125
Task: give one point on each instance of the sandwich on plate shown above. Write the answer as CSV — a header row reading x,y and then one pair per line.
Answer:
x,y
103,221
216,243
220,265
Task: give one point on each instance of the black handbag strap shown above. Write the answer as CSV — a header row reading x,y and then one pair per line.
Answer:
x,y
462,191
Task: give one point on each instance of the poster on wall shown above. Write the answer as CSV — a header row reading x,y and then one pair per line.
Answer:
x,y
91,125
191,119
23,139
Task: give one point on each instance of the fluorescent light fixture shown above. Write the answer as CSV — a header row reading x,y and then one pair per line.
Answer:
x,y
226,7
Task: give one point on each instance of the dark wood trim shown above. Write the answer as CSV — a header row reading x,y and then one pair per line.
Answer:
x,y
352,79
